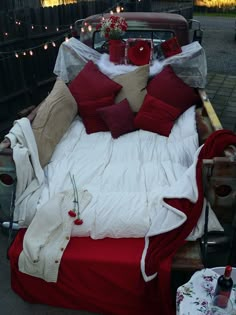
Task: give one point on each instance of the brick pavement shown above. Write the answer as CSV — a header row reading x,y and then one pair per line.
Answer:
x,y
221,90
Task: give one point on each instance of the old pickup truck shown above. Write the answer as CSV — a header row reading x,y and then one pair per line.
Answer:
x,y
103,275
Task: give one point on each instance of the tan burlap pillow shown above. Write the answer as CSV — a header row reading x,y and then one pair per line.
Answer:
x,y
53,118
134,87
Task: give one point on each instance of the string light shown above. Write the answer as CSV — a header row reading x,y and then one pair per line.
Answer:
x,y
118,9
62,28
30,51
19,22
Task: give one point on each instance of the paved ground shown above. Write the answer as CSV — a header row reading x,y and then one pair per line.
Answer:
x,y
220,47
219,43
221,89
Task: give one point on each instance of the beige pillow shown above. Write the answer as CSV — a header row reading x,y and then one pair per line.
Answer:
x,y
134,87
53,118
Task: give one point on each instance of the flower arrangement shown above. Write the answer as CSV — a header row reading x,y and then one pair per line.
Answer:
x,y
113,27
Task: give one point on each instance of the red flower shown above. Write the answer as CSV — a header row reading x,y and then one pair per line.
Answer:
x,y
78,222
113,27
72,213
98,26
139,53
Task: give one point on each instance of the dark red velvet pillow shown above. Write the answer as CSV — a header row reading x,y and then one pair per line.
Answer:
x,y
168,87
119,118
171,47
91,84
91,119
156,116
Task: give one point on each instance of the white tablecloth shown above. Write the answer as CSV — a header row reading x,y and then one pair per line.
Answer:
x,y
194,297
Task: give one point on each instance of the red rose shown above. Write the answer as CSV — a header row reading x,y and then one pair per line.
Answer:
x,y
72,213
78,222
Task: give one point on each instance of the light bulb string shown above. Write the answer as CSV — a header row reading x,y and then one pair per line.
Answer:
x,y
20,22
18,52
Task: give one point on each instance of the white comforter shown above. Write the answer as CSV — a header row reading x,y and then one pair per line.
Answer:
x,y
126,177
121,185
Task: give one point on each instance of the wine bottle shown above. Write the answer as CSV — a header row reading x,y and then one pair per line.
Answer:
x,y
223,288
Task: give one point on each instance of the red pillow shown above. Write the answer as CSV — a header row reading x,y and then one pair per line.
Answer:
x,y
91,84
168,87
156,116
171,47
119,118
91,119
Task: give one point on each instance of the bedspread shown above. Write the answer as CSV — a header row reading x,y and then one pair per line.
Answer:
x,y
126,177
127,180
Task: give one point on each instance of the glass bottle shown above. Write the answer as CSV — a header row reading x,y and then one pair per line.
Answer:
x,y
223,288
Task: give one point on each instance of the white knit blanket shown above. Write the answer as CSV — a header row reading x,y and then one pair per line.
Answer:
x,y
30,176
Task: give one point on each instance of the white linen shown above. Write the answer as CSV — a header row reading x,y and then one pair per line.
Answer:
x,y
190,64
71,58
126,177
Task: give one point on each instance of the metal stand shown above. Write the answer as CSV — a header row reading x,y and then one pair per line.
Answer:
x,y
205,237
11,226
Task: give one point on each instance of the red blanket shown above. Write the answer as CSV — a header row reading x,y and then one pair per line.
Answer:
x,y
162,248
104,275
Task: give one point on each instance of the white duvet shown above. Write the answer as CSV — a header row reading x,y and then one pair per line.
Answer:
x,y
121,186
126,177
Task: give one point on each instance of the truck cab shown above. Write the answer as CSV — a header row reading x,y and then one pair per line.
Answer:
x,y
155,26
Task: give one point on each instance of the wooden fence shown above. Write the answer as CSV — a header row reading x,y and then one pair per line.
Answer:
x,y
26,67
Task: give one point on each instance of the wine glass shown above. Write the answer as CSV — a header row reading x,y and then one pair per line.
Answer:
x,y
221,305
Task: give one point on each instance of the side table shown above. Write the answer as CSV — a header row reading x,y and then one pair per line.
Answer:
x,y
195,296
